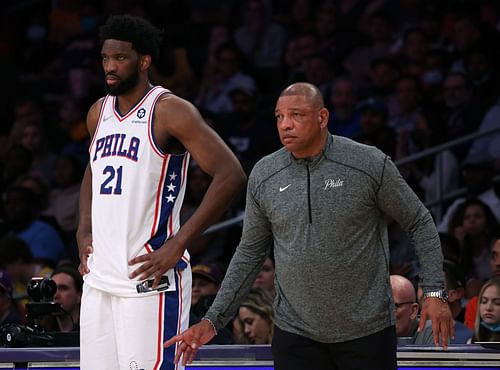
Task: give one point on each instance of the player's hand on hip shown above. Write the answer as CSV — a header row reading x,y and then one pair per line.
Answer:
x,y
155,264
85,249
190,341
85,252
443,324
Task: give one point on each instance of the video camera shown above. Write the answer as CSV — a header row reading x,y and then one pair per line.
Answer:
x,y
41,292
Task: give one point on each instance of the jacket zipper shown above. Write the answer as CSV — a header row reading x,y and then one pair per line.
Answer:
x,y
309,194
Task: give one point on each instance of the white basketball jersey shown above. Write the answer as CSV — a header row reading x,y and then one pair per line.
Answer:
x,y
137,193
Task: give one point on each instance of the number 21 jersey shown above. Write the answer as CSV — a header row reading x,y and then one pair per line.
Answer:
x,y
137,193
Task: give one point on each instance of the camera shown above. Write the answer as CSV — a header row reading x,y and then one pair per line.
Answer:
x,y
41,292
41,289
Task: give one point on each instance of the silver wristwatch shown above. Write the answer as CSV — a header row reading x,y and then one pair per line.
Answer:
x,y
441,294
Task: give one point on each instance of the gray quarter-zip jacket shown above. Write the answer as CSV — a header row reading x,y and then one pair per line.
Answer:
x,y
326,220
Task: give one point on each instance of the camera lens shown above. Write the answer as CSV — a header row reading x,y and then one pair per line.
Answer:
x,y
40,289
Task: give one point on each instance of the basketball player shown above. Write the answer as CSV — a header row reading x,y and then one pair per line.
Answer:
x,y
132,249
322,202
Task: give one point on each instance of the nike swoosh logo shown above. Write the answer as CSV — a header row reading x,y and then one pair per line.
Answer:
x,y
106,118
284,188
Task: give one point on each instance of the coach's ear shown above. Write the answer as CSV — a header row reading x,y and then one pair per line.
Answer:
x,y
323,117
145,62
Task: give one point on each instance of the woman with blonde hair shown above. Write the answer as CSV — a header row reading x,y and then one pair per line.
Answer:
x,y
487,328
255,321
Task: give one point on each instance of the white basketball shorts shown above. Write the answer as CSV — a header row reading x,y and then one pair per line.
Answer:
x,y
128,333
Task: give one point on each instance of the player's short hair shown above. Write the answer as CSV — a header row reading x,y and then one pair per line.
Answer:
x,y
145,38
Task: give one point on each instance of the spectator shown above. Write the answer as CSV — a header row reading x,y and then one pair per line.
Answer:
x,y
319,72
207,247
383,76
16,164
69,284
435,176
476,228
245,129
265,278
379,32
345,118
206,284
27,111
8,310
471,306
466,34
463,114
334,40
406,311
414,47
41,190
490,121
256,318
23,220
72,135
477,171
34,140
431,23
260,39
16,259
479,66
432,78
301,17
488,313
65,194
223,77
410,123
374,128
298,49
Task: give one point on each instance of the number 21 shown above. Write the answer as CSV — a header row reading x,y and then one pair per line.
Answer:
x,y
110,171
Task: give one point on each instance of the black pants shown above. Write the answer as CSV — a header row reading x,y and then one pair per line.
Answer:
x,y
375,352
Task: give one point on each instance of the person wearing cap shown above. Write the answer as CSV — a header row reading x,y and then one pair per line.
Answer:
x,y
374,128
8,312
206,281
321,203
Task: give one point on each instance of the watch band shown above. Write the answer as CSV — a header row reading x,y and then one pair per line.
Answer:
x,y
441,294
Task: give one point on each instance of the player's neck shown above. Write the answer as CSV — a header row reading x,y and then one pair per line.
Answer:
x,y
127,100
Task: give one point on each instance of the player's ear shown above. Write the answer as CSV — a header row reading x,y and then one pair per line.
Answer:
x,y
145,62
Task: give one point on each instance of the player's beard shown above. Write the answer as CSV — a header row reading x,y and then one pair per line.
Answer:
x,y
125,84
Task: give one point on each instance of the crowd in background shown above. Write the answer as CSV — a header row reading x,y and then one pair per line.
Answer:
x,y
402,75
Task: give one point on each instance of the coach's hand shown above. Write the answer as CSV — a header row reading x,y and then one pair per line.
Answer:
x,y
189,341
443,325
155,264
